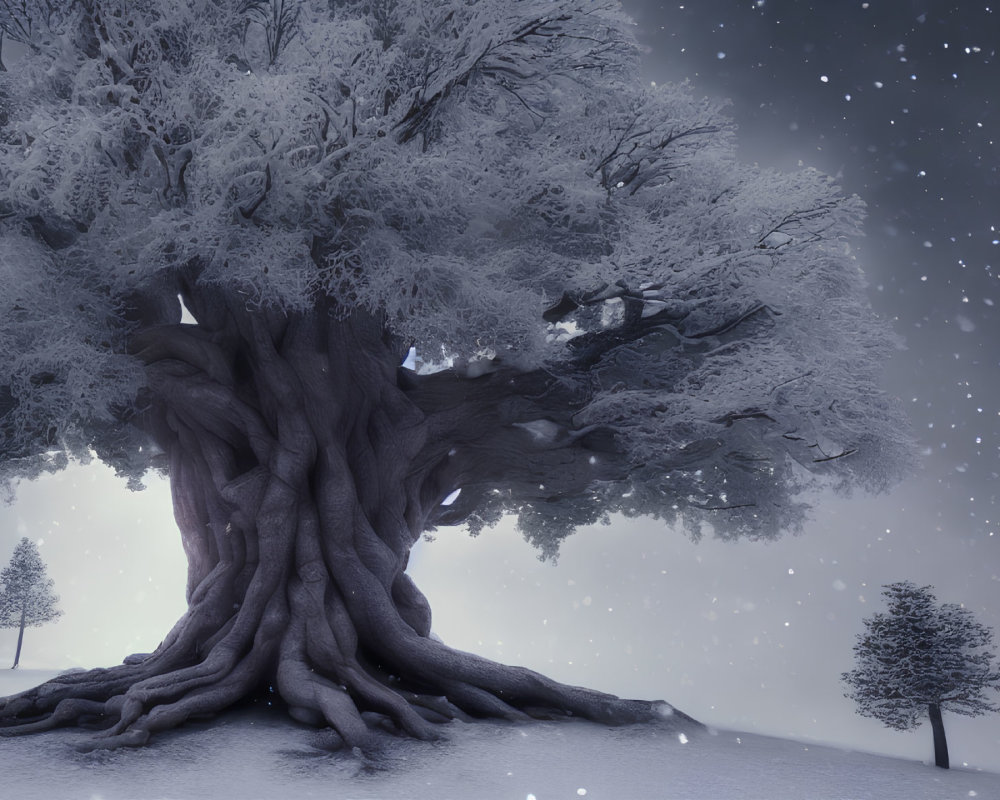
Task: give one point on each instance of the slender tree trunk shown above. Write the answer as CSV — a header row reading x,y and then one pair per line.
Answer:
x,y
302,473
20,637
940,742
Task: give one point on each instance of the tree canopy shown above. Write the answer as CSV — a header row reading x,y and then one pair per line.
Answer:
x,y
347,270
920,658
920,653
26,589
26,598
495,183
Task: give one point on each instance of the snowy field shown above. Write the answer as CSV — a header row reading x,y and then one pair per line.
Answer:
x,y
256,754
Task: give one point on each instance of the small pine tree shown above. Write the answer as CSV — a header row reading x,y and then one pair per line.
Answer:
x,y
921,657
26,597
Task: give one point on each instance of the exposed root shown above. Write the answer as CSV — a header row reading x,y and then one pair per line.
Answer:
x,y
341,644
343,691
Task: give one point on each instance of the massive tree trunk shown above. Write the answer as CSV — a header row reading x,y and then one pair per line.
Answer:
x,y
940,742
304,465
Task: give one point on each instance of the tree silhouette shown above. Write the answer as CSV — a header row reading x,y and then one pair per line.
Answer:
x,y
26,598
921,658
604,313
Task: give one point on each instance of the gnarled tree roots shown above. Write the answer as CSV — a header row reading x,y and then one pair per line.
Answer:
x,y
324,681
303,470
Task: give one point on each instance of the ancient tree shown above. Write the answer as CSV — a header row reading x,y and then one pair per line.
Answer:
x,y
26,598
920,658
326,264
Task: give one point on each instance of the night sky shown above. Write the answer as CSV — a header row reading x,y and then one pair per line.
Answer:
x,y
895,98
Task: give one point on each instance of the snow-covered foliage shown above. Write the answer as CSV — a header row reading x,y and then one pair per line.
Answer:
x,y
921,653
494,181
26,598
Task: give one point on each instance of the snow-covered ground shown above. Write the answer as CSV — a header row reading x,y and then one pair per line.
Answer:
x,y
255,753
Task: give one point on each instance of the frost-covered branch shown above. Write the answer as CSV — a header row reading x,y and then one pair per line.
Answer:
x,y
276,19
490,180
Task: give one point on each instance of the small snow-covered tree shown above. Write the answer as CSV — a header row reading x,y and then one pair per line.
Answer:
x,y
26,598
623,319
921,658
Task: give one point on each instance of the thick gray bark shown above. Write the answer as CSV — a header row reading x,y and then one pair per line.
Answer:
x,y
303,469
